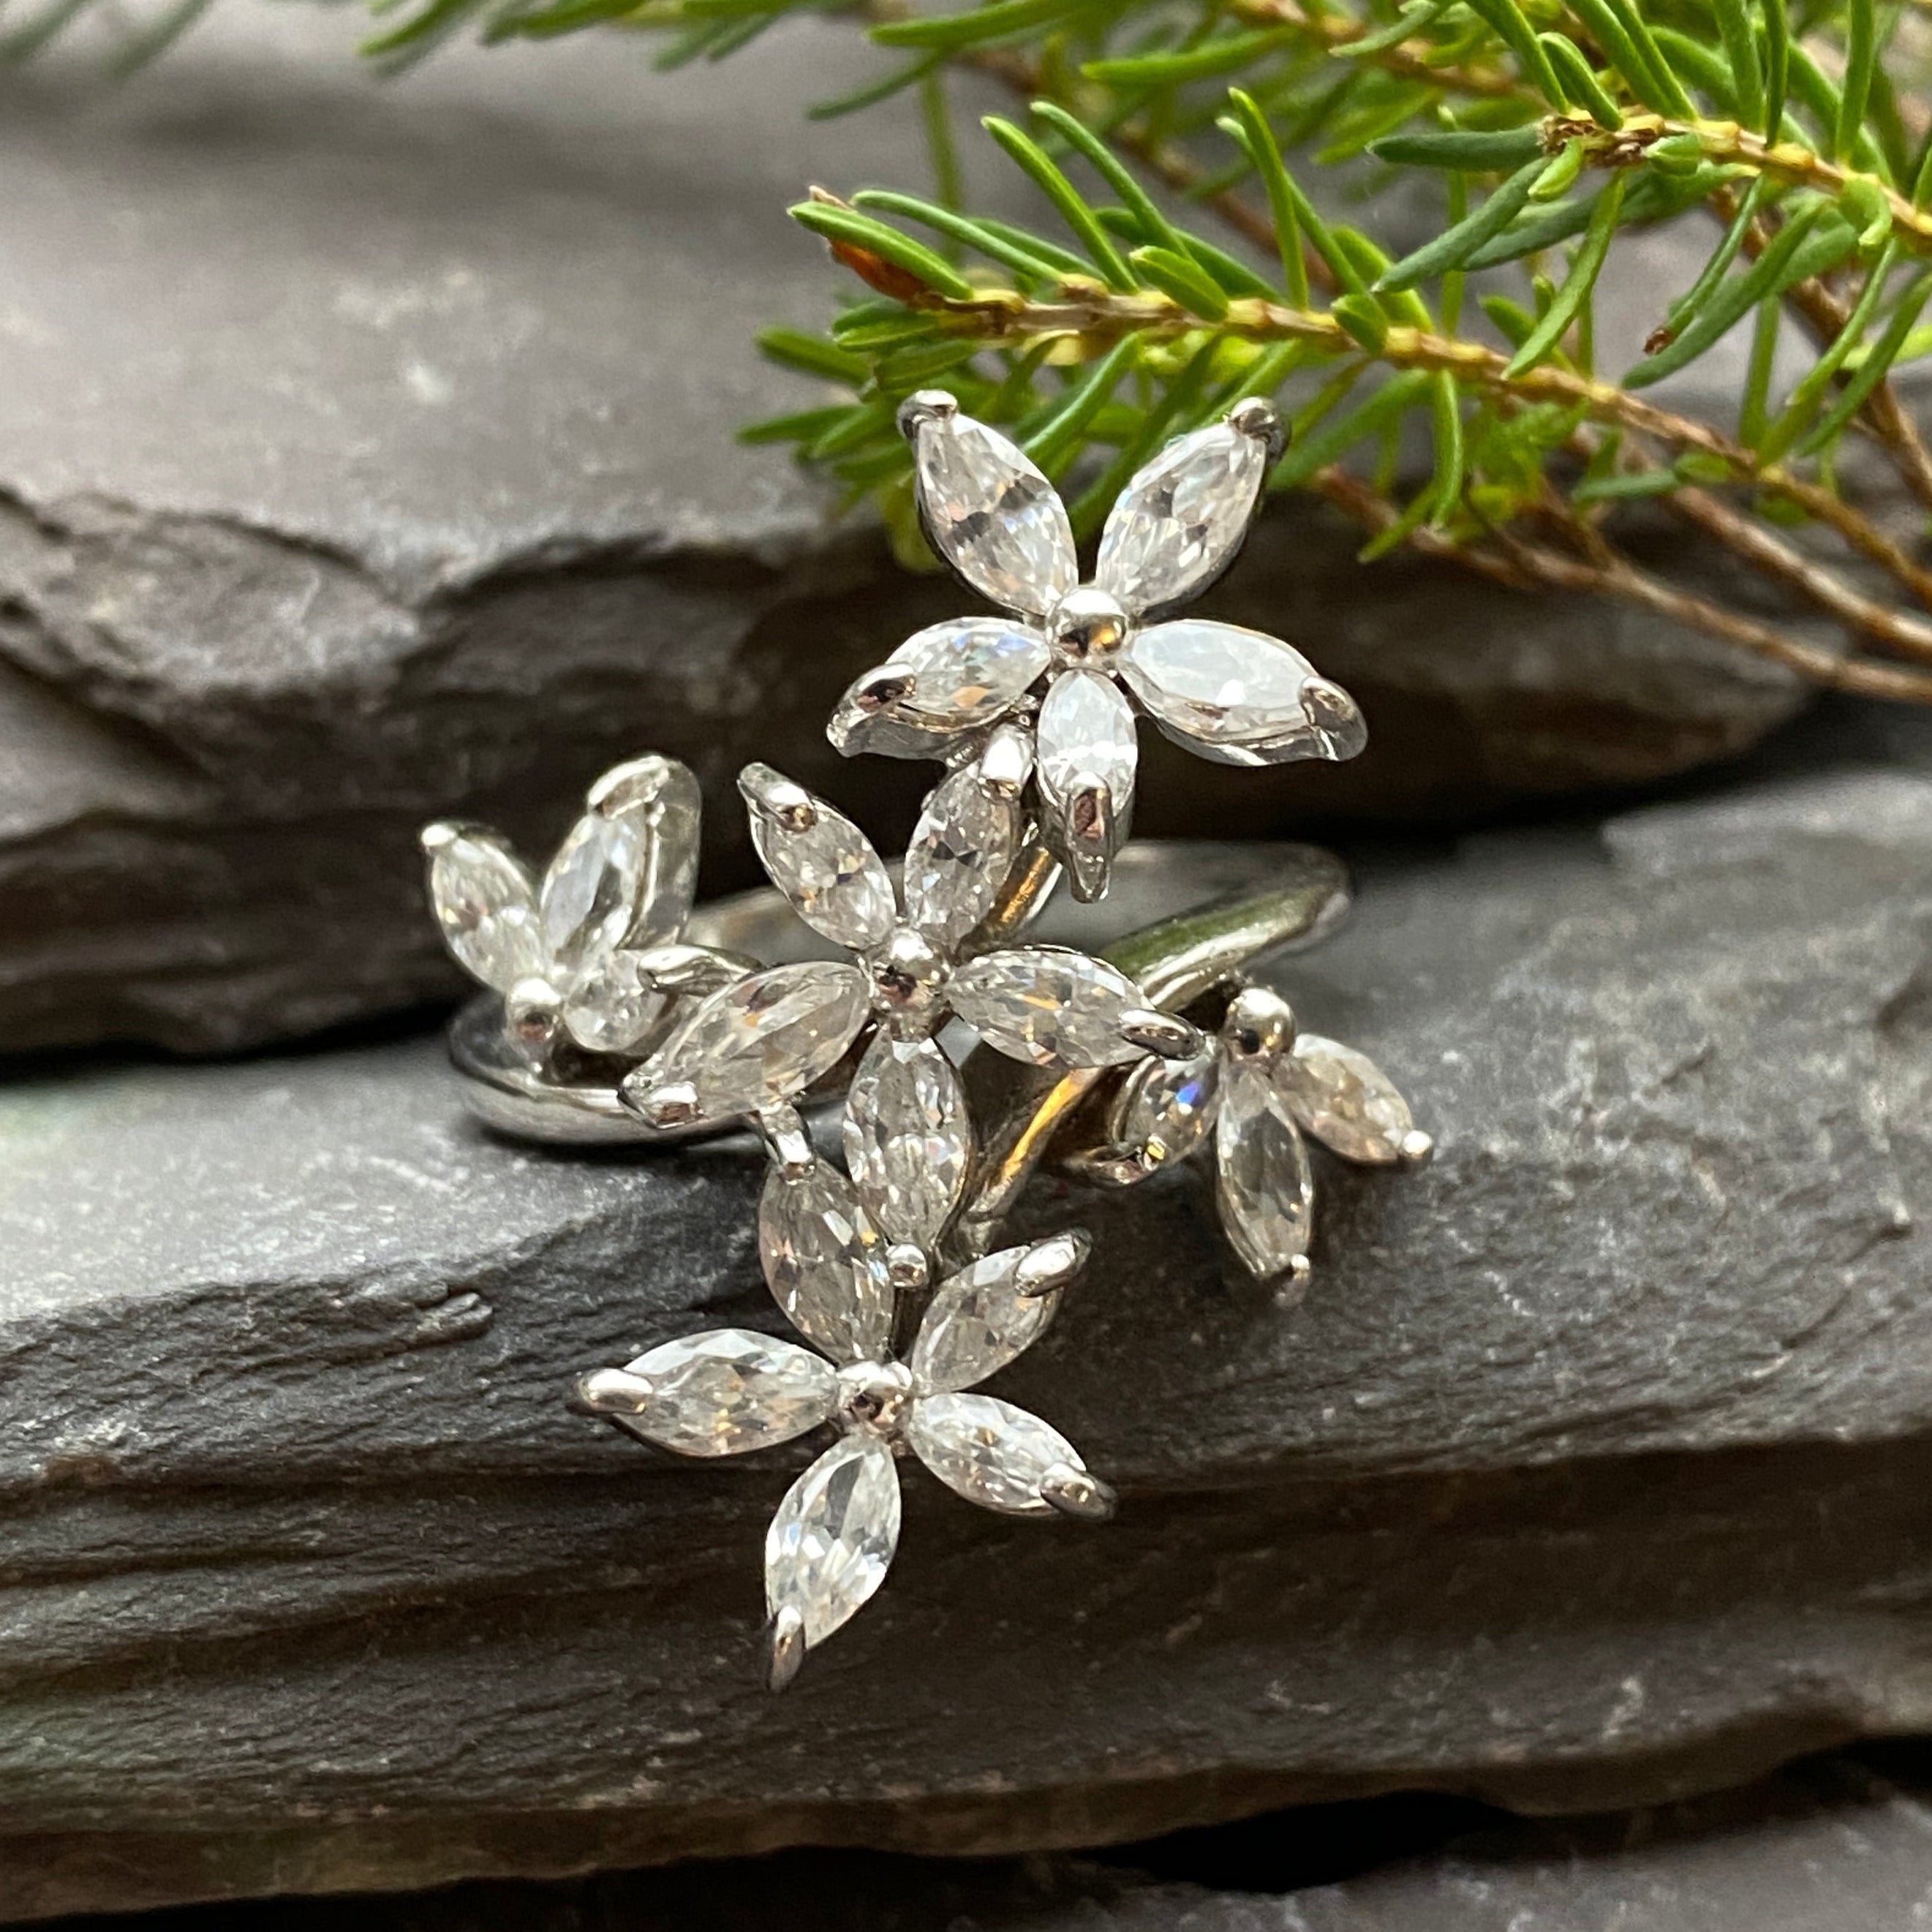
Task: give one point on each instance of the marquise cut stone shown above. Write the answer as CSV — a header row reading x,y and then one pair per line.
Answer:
x,y
485,901
833,1538
1181,520
1345,1100
1048,1005
908,1142
763,1040
830,872
826,1262
731,1390
1239,694
978,1322
962,851
1168,1107
991,1452
1264,1189
591,891
970,671
992,515
605,1009
1086,733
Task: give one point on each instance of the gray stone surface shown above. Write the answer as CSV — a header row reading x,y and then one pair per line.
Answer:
x,y
1828,1846
365,456
1591,1472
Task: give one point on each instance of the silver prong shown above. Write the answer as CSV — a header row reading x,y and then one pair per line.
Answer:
x,y
925,405
680,968
1087,819
881,687
1051,1264
611,1392
1418,1149
906,1268
673,1104
637,781
442,834
775,797
531,1008
1117,1165
784,1647
1006,763
1255,416
1260,1024
1077,1492
1167,1034
1291,1284
782,1129
1327,706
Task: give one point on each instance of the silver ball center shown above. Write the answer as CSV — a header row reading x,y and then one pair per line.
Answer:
x,y
1089,627
873,1395
907,975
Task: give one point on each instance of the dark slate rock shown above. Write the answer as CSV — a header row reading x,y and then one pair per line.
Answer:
x,y
370,459
1591,1472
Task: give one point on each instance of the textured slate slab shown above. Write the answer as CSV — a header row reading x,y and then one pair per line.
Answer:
x,y
1590,1471
372,461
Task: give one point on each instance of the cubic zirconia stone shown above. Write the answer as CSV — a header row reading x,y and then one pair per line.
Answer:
x,y
1048,1005
978,1322
830,872
590,894
1345,1100
970,671
485,901
833,1538
993,1454
908,1142
1266,1192
732,1389
1168,1106
1182,518
605,1010
826,1263
1218,682
1086,731
763,1040
660,798
962,851
993,516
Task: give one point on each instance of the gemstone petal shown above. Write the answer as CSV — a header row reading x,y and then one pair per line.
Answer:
x,y
1178,525
826,1263
606,1010
589,897
761,1040
1087,757
967,672
731,1390
1345,1100
1239,697
1168,1107
908,1141
659,798
993,1454
961,850
484,900
1048,1004
979,1322
1262,1182
829,870
991,514
833,1538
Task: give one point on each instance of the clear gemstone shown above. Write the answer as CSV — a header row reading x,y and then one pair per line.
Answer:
x,y
1086,732
961,853
978,1322
1168,1106
590,894
993,516
832,1539
1048,1005
908,1142
826,1263
605,1010
1245,697
991,1453
830,872
965,674
1181,520
485,901
732,1389
1345,1100
763,1039
660,798
1266,1192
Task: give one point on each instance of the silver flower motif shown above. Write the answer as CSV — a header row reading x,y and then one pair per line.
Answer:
x,y
761,1041
590,952
838,1254
1255,1093
1232,695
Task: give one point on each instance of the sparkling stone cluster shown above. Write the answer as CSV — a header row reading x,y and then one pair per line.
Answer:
x,y
880,1263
